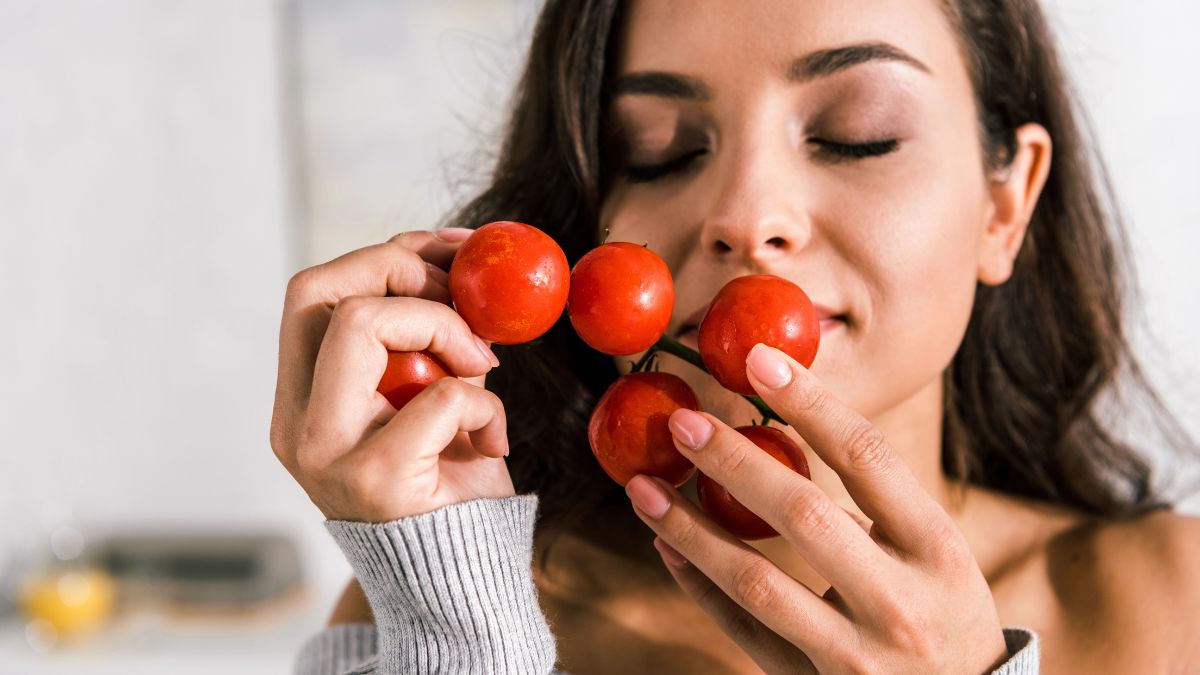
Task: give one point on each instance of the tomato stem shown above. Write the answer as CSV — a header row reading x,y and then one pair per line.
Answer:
x,y
641,363
677,349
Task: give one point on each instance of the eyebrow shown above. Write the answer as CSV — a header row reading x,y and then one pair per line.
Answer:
x,y
822,63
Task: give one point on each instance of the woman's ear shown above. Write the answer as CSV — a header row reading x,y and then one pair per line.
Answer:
x,y
1014,192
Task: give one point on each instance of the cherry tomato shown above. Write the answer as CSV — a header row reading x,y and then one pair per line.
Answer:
x,y
728,512
621,298
509,281
407,373
628,430
752,309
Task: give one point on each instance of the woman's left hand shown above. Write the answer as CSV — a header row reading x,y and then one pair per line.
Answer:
x,y
907,597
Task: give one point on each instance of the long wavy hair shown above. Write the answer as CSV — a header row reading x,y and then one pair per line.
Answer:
x,y
1022,393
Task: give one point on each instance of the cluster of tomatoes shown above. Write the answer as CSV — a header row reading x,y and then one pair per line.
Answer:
x,y
511,282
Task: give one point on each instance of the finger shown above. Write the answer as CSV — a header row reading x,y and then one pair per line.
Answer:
x,y
835,546
769,650
409,450
400,267
437,247
353,357
418,433
781,603
880,483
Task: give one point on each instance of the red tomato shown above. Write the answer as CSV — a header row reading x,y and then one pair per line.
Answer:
x,y
752,309
407,373
621,298
728,512
509,281
628,430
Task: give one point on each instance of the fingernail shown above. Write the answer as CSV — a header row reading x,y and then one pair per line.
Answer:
x,y
648,497
669,555
487,352
769,366
690,427
453,233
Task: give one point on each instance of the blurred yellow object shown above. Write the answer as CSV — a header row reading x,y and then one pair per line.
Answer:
x,y
72,601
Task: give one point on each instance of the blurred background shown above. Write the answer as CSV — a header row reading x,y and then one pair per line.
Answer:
x,y
166,165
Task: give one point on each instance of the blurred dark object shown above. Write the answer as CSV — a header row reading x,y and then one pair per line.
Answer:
x,y
200,571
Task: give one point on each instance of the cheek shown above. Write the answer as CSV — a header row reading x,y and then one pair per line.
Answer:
x,y
912,256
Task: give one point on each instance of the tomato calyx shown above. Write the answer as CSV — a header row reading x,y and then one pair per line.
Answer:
x,y
675,348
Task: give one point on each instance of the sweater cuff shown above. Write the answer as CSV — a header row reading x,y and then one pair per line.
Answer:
x,y
1023,653
338,650
452,590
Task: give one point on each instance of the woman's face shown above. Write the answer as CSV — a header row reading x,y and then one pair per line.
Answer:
x,y
834,144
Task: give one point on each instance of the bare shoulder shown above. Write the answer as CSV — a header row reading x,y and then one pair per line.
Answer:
x,y
1134,586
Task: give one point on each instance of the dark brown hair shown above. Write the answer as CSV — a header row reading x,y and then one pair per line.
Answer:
x,y
1022,391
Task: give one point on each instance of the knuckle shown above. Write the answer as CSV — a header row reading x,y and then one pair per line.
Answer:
x,y
360,478
311,446
408,266
448,393
868,450
753,587
947,549
810,399
280,441
910,629
858,663
810,511
305,459
732,462
449,329
303,283
686,536
405,238
304,278
354,311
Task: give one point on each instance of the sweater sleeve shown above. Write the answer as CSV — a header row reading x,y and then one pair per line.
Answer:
x,y
1023,655
452,592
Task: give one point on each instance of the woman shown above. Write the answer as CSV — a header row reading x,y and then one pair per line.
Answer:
x,y
968,505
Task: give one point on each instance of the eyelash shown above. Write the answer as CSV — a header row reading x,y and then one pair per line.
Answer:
x,y
835,152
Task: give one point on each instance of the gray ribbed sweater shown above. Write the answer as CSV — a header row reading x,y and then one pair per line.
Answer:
x,y
452,592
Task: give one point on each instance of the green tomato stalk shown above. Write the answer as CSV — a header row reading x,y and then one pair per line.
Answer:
x,y
675,348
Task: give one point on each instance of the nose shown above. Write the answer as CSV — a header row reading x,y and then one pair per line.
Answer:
x,y
756,213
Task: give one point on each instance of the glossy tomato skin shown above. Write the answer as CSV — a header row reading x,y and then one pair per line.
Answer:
x,y
408,373
752,309
509,282
628,430
728,512
621,298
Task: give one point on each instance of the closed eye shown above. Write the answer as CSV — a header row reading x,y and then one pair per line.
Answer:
x,y
832,151
836,152
648,173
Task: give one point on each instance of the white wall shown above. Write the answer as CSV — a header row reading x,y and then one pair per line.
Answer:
x,y
398,103
1136,67
145,240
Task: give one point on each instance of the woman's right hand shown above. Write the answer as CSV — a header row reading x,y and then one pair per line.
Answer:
x,y
352,452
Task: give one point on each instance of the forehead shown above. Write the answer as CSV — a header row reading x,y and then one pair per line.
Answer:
x,y
743,39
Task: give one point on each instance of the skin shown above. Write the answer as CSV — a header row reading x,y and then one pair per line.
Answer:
x,y
926,571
